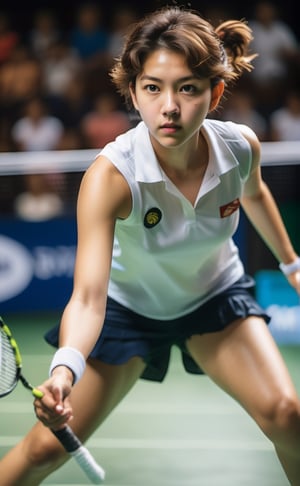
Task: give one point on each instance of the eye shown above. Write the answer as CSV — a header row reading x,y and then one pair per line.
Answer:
x,y
151,88
188,88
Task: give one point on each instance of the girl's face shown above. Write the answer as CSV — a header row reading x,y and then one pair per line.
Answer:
x,y
172,102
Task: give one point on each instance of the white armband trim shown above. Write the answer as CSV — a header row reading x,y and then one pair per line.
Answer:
x,y
288,268
72,359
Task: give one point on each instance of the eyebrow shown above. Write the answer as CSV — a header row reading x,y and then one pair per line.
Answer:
x,y
158,80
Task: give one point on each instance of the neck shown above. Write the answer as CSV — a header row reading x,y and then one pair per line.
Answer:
x,y
190,157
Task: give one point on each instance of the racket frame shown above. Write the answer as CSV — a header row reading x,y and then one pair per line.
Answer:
x,y
18,362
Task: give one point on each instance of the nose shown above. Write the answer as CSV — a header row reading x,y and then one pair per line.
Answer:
x,y
170,107
171,114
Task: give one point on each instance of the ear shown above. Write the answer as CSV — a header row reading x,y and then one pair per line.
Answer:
x,y
216,95
133,96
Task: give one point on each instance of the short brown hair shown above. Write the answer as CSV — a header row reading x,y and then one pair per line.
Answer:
x,y
220,53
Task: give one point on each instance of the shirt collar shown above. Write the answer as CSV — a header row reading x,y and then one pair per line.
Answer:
x,y
147,168
220,155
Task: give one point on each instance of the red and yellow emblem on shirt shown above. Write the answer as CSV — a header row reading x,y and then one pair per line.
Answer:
x,y
229,208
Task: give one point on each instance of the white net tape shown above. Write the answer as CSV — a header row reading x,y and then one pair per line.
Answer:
x,y
13,163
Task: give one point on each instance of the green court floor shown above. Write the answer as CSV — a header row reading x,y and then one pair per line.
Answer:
x,y
184,432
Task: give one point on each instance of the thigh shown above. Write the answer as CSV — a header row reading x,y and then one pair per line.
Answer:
x,y
244,361
101,388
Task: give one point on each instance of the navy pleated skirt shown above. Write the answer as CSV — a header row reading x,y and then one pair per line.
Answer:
x,y
126,334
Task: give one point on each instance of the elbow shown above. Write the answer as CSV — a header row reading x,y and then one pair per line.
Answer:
x,y
94,301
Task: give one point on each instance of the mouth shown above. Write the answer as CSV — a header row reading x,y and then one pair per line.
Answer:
x,y
170,127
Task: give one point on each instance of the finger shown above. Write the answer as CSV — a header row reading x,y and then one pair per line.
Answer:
x,y
50,412
51,418
46,403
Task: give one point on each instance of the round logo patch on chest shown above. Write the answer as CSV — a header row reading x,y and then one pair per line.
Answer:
x,y
152,217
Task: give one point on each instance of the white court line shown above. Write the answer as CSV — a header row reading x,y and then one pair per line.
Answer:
x,y
166,408
152,408
165,444
17,407
179,444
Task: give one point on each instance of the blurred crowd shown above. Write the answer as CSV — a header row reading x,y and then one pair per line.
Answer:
x,y
56,93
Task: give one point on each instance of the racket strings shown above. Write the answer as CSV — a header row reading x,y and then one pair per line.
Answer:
x,y
8,368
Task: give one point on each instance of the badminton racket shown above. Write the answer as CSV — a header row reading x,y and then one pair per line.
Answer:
x,y
11,374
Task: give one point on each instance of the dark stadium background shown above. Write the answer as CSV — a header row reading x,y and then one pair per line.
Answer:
x,y
22,12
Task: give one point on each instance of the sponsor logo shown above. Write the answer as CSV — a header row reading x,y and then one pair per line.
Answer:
x,y
152,217
19,265
230,208
16,268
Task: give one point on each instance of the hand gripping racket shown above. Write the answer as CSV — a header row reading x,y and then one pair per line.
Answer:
x,y
10,374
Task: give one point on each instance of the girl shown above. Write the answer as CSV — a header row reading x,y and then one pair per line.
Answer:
x,y
156,264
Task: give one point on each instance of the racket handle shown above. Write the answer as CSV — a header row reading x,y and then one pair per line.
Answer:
x,y
81,454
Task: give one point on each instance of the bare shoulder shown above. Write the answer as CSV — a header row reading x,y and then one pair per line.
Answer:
x,y
104,186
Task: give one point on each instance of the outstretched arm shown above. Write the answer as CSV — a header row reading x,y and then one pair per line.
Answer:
x,y
104,196
262,210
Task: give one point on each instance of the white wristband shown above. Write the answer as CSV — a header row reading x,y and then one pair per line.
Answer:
x,y
289,268
72,359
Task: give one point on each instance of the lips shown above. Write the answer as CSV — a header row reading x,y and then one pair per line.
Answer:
x,y
169,128
170,125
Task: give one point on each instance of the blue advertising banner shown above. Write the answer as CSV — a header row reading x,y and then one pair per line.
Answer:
x,y
36,264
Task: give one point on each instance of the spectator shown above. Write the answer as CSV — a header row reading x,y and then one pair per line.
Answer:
x,y
8,38
73,105
88,36
38,201
105,122
277,47
20,76
37,129
123,17
44,32
60,66
285,121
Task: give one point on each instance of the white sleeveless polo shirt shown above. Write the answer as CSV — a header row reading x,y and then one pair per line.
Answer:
x,y
170,256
